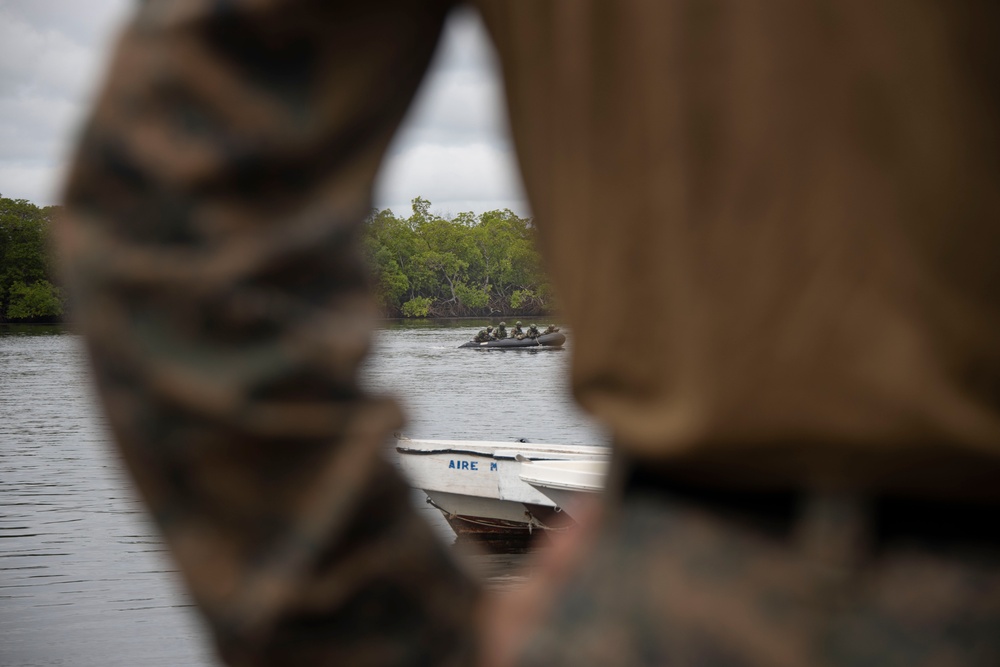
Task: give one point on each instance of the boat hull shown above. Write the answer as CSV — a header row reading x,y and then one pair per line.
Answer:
x,y
566,483
479,489
499,526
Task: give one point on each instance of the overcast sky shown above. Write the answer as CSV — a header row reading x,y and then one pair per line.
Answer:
x,y
453,149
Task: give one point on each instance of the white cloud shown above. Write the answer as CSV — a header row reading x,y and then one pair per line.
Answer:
x,y
23,180
476,177
51,54
34,126
86,22
453,147
49,49
456,109
39,59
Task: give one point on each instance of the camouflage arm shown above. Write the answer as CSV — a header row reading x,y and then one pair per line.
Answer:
x,y
212,213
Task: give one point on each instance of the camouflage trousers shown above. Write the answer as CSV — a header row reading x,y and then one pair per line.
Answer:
x,y
823,580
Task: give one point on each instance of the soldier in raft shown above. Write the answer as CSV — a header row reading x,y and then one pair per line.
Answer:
x,y
533,331
490,334
552,329
501,331
517,332
482,336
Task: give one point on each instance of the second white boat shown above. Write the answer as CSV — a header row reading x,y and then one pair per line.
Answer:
x,y
503,494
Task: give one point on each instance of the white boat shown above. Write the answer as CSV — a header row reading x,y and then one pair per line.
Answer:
x,y
564,482
503,493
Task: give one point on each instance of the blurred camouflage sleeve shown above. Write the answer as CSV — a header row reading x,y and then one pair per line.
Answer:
x,y
213,208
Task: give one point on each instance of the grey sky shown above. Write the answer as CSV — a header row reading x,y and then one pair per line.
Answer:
x,y
453,148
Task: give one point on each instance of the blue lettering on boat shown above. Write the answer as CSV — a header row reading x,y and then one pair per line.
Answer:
x,y
493,466
459,464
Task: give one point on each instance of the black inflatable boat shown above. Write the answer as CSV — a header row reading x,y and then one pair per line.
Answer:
x,y
555,339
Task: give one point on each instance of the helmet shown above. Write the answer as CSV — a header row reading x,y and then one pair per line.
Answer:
x,y
532,326
519,323
489,328
502,324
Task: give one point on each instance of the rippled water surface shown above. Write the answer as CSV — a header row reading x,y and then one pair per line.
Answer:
x,y
477,394
84,579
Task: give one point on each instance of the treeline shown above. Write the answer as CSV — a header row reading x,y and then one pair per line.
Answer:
x,y
424,265
28,291
428,266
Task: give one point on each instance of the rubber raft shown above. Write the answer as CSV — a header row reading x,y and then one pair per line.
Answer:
x,y
555,339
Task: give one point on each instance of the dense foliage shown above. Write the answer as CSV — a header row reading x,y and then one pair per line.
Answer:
x,y
428,266
424,265
27,292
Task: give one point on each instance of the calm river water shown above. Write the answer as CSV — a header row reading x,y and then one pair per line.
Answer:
x,y
84,579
